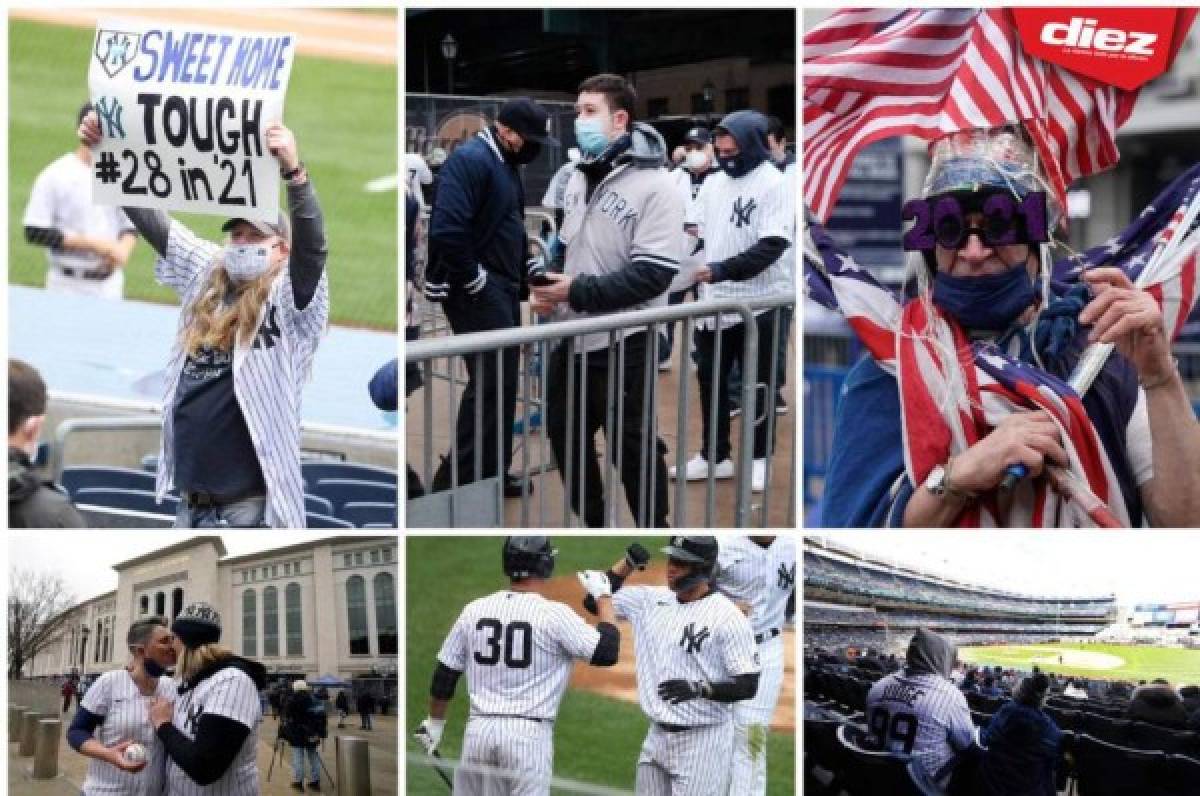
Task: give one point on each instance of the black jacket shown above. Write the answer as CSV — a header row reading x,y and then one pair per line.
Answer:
x,y
34,502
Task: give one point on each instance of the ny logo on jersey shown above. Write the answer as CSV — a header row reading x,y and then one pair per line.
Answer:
x,y
193,716
787,576
740,217
268,333
691,640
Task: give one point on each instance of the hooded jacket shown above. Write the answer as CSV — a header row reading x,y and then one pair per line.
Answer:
x,y
34,502
929,653
1158,703
622,222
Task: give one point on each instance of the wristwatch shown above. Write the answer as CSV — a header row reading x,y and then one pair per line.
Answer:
x,y
938,482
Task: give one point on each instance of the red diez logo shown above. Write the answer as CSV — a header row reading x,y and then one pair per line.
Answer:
x,y
1124,47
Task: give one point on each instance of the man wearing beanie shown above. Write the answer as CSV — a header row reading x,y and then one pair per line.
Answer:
x,y
477,253
210,732
918,711
1021,744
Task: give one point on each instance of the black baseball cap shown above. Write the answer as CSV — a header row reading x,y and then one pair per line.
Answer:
x,y
528,119
697,135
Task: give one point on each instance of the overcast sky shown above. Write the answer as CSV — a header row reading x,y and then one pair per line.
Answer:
x,y
1136,565
85,559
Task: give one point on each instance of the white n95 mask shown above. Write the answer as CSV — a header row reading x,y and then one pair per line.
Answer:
x,y
696,160
245,262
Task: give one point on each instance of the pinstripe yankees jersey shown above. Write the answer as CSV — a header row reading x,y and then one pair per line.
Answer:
x,y
125,710
763,577
924,715
232,694
517,650
706,639
733,215
269,373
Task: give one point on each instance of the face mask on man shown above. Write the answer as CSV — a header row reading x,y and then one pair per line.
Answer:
x,y
696,160
245,262
991,302
591,135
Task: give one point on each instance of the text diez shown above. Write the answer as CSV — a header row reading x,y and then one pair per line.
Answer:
x,y
184,112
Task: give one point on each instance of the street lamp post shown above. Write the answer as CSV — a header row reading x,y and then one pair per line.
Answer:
x,y
449,52
709,92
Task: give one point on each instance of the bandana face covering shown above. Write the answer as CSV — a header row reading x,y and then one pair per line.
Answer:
x,y
990,302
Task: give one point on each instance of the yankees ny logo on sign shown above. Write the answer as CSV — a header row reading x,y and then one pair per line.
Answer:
x,y
740,217
786,577
692,641
116,49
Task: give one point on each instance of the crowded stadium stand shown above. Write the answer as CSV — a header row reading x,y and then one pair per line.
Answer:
x,y
860,612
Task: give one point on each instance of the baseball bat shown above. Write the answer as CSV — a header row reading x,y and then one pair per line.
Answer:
x,y
440,772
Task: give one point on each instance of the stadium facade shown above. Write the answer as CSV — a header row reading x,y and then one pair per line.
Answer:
x,y
853,600
320,607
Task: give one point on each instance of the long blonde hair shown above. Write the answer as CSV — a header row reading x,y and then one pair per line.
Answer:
x,y
214,323
193,660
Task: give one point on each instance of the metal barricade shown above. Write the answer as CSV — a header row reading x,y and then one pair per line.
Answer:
x,y
469,491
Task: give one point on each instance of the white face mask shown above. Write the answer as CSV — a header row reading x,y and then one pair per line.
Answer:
x,y
696,160
246,262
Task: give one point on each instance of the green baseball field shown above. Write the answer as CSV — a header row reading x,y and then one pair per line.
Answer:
x,y
1104,661
344,116
596,737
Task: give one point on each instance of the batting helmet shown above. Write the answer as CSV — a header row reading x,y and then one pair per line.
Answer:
x,y
698,551
528,557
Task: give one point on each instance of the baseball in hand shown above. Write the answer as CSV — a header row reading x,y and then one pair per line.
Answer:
x,y
135,753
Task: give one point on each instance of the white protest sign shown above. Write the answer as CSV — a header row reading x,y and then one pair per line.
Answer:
x,y
184,112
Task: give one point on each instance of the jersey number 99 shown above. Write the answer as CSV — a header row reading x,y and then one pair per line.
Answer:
x,y
516,638
899,729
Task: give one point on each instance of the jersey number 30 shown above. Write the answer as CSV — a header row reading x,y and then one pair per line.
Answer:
x,y
899,729
516,639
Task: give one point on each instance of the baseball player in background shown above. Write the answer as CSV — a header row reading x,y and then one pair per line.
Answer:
x,y
919,711
695,657
87,245
114,716
252,317
517,649
210,732
759,574
746,217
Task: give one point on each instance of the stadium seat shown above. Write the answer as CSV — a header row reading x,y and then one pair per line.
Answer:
x,y
1065,719
362,513
867,772
1183,775
1114,731
323,521
980,718
822,753
127,499
77,478
317,505
314,472
1106,769
1142,735
340,491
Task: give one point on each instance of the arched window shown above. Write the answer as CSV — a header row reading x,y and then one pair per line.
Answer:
x,y
176,602
249,624
270,622
385,613
160,604
356,614
293,624
143,605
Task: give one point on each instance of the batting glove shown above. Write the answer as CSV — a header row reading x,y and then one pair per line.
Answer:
x,y
429,734
677,691
476,284
636,556
596,583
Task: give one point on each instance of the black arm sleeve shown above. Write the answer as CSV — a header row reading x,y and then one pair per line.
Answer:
x,y
205,759
608,648
751,262
743,686
445,680
153,225
83,726
49,237
640,281
309,247
614,580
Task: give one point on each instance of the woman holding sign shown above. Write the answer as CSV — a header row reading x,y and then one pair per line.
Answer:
x,y
252,316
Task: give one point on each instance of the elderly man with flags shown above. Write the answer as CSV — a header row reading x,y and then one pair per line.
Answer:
x,y
991,397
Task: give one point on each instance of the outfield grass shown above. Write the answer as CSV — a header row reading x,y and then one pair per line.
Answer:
x,y
344,117
596,739
1140,663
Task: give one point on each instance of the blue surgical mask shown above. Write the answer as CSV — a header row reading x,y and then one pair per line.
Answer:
x,y
991,302
590,136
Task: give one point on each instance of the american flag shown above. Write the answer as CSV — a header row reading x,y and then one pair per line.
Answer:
x,y
871,74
